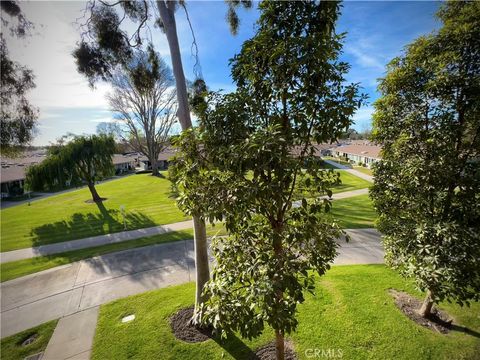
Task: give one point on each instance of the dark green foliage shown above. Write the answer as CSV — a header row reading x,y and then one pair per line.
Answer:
x,y
107,44
18,116
427,187
232,17
257,145
84,159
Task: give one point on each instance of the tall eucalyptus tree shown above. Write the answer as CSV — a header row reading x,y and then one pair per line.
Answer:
x,y
105,46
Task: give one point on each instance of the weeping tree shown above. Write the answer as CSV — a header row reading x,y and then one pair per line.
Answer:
x,y
105,45
18,115
427,186
144,104
291,94
84,159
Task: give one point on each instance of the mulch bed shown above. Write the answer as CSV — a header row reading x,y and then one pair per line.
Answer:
x,y
439,321
183,329
268,352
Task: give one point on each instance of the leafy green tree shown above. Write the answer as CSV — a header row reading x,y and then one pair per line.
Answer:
x,y
85,158
257,145
108,46
427,186
17,115
166,9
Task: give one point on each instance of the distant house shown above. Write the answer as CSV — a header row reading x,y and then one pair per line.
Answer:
x,y
163,160
124,163
13,171
360,153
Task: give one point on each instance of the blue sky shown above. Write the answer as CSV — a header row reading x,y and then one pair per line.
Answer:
x,y
377,31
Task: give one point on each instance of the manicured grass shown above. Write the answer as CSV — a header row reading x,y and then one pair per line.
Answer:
x,y
363,170
350,182
66,216
12,349
328,166
355,212
337,160
352,313
16,269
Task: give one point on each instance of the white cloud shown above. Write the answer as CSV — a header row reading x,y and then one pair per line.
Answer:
x,y
365,58
48,53
105,119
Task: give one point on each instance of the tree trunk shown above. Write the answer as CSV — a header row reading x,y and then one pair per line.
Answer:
x,y
278,249
426,309
167,15
201,259
93,191
154,163
279,345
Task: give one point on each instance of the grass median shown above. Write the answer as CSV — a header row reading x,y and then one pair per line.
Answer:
x,y
352,313
355,212
15,269
351,213
13,347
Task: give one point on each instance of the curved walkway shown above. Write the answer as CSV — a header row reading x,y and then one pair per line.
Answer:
x,y
65,290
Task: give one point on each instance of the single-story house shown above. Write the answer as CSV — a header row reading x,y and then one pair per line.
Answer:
x,y
13,171
124,163
163,160
12,174
365,153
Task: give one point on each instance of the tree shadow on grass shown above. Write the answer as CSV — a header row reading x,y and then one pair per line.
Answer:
x,y
235,347
466,330
79,226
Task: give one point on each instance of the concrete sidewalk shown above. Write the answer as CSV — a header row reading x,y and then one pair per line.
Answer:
x,y
93,241
350,170
51,294
65,290
74,292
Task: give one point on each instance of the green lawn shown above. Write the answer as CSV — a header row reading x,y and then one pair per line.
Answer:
x,y
363,170
16,269
351,213
350,182
12,349
352,313
66,216
337,160
355,212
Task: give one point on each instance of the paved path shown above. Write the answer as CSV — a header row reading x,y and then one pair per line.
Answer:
x,y
62,291
93,241
65,290
350,170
